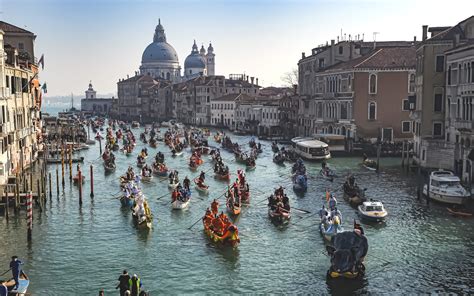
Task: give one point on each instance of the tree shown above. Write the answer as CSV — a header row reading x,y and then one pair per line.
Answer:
x,y
290,78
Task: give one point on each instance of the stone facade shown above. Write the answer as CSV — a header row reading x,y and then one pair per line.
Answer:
x,y
96,106
20,101
431,76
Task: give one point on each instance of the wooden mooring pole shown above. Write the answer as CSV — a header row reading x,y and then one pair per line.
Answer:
x,y
50,187
7,203
62,164
379,148
38,196
29,214
80,185
70,164
57,182
92,180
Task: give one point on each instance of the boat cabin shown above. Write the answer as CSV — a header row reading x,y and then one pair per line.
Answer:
x,y
310,148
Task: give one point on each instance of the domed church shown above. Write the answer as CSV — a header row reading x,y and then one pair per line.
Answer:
x,y
160,60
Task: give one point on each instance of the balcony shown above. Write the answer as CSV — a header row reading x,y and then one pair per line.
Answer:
x,y
329,120
463,124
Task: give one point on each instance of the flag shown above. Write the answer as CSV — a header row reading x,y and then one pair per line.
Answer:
x,y
44,88
41,61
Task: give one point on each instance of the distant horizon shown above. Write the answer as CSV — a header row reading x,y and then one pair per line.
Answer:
x,y
103,40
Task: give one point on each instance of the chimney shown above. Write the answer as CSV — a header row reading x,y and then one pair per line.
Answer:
x,y
295,88
414,39
456,39
337,39
127,76
303,55
332,53
256,81
252,79
425,33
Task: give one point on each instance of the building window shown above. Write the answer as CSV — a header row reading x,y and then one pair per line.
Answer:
x,y
437,129
208,99
449,75
423,154
406,105
411,83
440,63
343,111
372,84
406,127
372,114
21,46
321,63
438,103
341,49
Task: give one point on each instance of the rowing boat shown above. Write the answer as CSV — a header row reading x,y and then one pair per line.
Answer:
x,y
22,288
109,167
203,188
230,236
279,215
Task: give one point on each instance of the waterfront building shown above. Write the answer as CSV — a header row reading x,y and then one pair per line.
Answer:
x,y
459,107
312,84
20,101
289,105
93,105
431,148
259,115
192,99
143,98
367,97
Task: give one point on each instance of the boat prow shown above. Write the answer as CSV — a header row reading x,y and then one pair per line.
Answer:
x,y
24,282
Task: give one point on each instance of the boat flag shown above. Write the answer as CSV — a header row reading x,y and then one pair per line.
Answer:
x,y
41,61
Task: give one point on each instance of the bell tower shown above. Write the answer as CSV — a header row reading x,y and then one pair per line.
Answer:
x,y
90,92
210,61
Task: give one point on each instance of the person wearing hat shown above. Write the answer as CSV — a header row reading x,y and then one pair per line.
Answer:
x,y
15,266
135,285
124,283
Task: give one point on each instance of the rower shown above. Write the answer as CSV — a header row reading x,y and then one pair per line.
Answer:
x,y
124,283
186,183
135,285
202,177
15,266
215,207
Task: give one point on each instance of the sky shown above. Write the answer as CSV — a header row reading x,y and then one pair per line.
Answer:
x,y
103,40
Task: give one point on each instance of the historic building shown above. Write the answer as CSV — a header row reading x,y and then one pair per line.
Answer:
x,y
433,138
459,120
192,99
96,106
144,99
20,101
160,60
223,110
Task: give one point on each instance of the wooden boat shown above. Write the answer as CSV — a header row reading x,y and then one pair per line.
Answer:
x,y
229,238
135,124
147,178
143,222
353,194
327,174
126,202
173,185
279,159
153,144
232,207
217,138
458,213
300,183
370,164
177,153
251,167
141,163
58,160
180,205
224,177
279,215
201,188
275,148
329,228
22,288
241,157
161,172
109,167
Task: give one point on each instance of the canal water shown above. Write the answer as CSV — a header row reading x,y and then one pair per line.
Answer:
x,y
80,250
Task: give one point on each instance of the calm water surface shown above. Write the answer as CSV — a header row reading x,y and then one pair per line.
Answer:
x,y
79,250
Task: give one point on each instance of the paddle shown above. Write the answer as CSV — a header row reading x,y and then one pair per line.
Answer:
x,y
6,271
195,223
166,194
301,210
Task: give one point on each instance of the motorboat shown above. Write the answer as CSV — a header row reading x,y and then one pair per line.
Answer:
x,y
445,187
372,211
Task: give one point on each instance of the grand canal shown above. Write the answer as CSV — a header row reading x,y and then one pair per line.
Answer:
x,y
78,250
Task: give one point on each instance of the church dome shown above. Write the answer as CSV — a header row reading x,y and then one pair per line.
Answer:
x,y
195,60
159,50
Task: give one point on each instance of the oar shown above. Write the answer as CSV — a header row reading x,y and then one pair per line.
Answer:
x,y
301,210
195,223
6,271
166,194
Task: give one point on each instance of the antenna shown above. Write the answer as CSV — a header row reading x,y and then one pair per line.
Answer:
x,y
375,38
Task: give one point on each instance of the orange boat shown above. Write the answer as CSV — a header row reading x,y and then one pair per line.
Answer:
x,y
230,237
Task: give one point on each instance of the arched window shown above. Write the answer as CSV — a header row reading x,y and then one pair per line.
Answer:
x,y
372,84
168,76
330,129
372,111
411,83
343,130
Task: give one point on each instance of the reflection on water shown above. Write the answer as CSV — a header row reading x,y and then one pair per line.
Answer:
x,y
85,248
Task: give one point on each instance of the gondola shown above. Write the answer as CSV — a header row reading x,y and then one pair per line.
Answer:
x,y
279,159
109,167
161,172
22,288
203,188
279,215
143,221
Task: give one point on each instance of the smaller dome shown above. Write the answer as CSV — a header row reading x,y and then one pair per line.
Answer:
x,y
202,50
210,49
195,60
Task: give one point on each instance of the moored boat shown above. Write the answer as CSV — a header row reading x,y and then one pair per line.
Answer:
x,y
445,187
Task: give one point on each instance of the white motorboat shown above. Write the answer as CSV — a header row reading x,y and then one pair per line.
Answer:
x,y
372,211
445,187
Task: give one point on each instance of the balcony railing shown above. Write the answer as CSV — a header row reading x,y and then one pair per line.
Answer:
x,y
463,124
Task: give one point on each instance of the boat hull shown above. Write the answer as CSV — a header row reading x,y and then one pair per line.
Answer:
x,y
180,205
445,198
